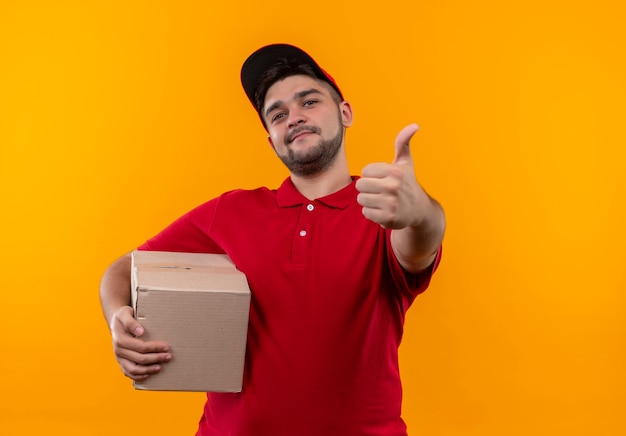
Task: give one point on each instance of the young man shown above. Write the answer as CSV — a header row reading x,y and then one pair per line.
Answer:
x,y
333,263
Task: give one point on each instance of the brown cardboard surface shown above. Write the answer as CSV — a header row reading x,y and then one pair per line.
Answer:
x,y
199,304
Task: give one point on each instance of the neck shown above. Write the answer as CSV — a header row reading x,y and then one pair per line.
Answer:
x,y
333,179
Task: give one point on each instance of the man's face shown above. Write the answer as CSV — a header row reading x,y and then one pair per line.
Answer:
x,y
305,124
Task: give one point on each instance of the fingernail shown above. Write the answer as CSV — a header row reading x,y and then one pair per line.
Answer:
x,y
138,331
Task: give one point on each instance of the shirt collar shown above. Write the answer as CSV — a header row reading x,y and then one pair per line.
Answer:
x,y
288,196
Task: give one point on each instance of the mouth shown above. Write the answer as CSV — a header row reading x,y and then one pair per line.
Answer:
x,y
300,133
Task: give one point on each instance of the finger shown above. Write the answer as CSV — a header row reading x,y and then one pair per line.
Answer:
x,y
368,185
138,372
139,365
369,200
382,185
144,358
126,341
375,170
377,215
403,150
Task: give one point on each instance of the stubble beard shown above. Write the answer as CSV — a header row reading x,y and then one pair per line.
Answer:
x,y
315,160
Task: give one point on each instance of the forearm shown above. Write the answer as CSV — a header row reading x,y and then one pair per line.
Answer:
x,y
415,246
115,287
137,358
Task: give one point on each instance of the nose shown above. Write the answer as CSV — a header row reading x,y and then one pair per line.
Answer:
x,y
296,117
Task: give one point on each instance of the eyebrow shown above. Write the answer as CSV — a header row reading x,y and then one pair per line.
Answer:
x,y
296,96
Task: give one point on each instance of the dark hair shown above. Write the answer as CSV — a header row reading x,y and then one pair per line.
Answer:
x,y
281,70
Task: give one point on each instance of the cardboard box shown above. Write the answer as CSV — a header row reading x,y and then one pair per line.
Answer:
x,y
198,304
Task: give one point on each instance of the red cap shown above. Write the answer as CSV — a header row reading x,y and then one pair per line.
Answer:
x,y
264,58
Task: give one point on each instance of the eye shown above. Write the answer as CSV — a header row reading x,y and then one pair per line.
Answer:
x,y
309,102
277,116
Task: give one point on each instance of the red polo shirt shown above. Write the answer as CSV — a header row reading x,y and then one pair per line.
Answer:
x,y
327,312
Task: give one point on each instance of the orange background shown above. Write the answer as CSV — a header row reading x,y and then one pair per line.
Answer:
x,y
117,117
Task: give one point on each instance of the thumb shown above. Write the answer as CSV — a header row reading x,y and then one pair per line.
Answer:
x,y
124,316
403,150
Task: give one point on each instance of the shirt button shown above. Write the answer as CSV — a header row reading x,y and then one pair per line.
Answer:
x,y
310,207
302,232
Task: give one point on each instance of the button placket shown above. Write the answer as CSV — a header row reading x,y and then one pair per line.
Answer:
x,y
301,238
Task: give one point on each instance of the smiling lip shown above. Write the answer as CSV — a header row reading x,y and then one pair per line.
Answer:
x,y
300,135
300,132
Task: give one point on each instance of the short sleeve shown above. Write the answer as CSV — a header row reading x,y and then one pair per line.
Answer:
x,y
189,233
410,284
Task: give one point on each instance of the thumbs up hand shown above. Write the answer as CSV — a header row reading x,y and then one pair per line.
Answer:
x,y
389,193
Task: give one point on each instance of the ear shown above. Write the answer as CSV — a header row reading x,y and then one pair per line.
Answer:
x,y
346,113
